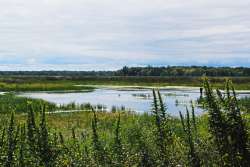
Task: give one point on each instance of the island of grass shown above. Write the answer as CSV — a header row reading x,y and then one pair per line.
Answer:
x,y
10,102
59,86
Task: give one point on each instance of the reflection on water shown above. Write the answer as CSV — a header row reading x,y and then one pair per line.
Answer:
x,y
139,100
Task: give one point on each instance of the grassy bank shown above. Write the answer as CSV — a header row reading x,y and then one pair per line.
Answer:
x,y
10,102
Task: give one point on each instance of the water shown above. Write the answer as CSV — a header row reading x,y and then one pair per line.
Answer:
x,y
139,100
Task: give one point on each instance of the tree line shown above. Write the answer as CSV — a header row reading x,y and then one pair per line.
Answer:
x,y
183,71
142,71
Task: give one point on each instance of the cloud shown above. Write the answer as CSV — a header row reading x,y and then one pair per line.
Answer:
x,y
115,33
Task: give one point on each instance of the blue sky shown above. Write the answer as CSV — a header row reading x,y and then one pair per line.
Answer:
x,y
108,34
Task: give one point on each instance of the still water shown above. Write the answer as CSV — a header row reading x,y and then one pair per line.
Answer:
x,y
139,100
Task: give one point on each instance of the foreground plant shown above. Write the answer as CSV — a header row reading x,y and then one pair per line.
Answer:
x,y
227,126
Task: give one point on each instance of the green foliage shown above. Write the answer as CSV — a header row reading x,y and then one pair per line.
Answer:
x,y
40,86
190,130
12,141
72,81
118,149
99,152
217,138
46,152
164,138
245,104
11,102
227,126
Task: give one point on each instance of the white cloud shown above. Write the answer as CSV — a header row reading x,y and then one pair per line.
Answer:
x,y
125,32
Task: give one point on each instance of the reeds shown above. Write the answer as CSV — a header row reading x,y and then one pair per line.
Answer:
x,y
218,138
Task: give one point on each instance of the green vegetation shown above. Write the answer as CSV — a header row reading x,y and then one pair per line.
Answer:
x,y
93,138
133,76
43,86
245,103
10,102
85,83
241,83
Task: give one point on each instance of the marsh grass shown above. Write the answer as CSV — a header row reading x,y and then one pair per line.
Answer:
x,y
41,83
42,86
119,138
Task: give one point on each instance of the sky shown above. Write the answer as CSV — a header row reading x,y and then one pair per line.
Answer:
x,y
108,34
